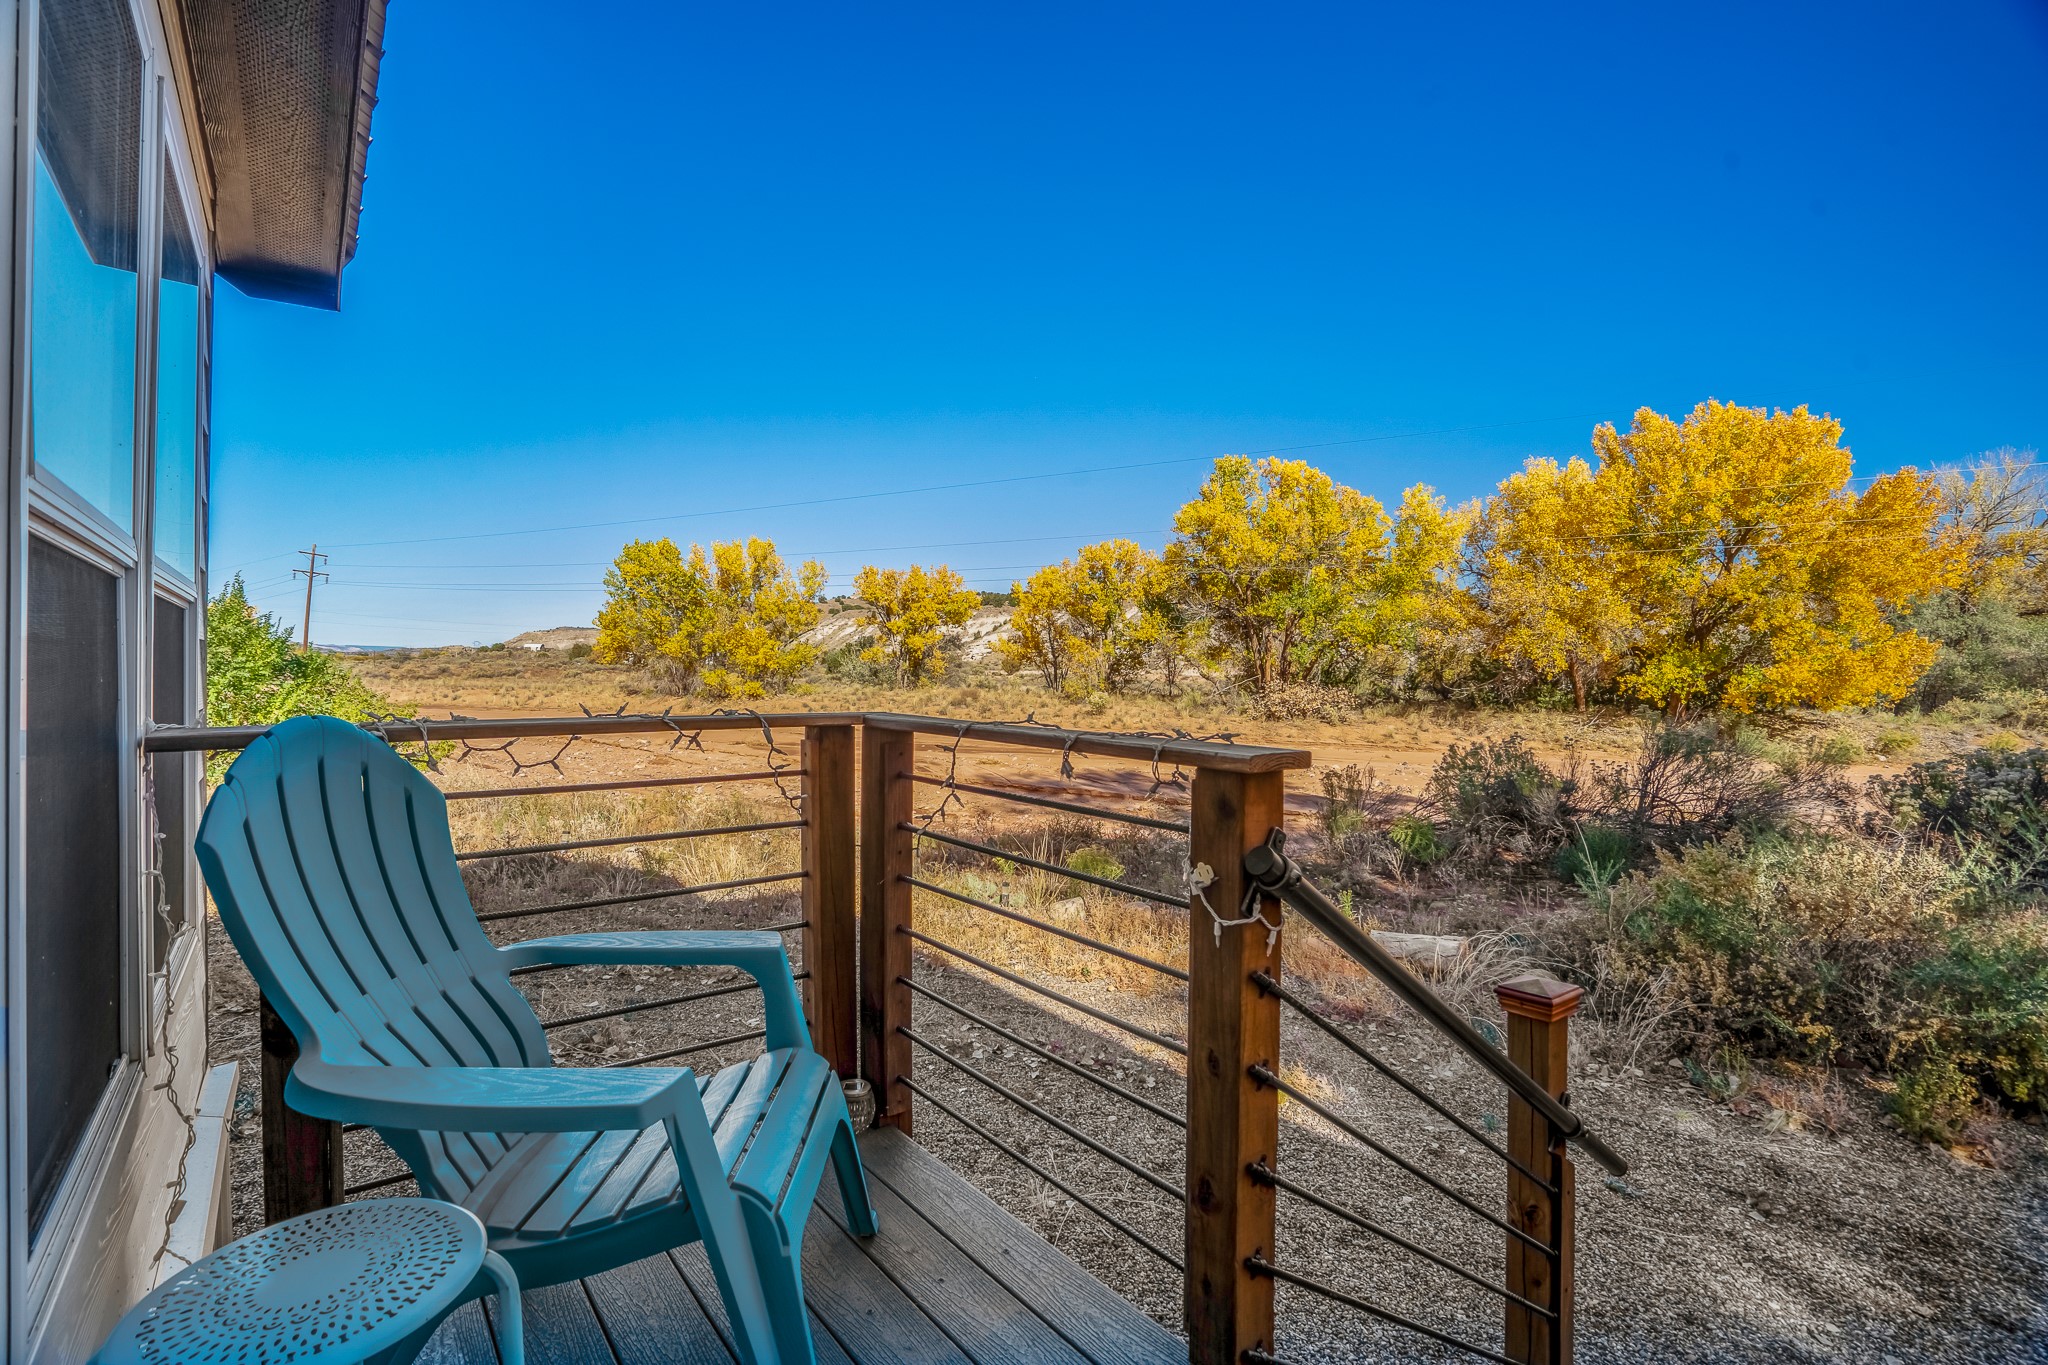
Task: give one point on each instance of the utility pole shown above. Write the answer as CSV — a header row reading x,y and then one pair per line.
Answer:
x,y
314,559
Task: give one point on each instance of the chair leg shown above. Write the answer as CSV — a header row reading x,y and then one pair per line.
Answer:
x,y
853,1183
778,1262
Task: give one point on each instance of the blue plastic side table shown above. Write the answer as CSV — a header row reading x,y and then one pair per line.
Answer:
x,y
361,1282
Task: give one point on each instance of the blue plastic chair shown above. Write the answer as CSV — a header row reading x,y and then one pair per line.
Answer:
x,y
361,1284
330,859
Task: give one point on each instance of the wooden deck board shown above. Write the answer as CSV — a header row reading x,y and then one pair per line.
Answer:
x,y
1086,1312
652,1317
987,1321
952,1279
697,1275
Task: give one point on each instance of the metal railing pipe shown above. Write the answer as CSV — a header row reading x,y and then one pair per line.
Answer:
x,y
1278,875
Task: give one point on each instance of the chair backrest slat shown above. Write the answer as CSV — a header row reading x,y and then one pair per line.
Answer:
x,y
331,861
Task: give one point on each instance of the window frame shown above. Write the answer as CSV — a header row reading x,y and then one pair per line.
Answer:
x,y
41,507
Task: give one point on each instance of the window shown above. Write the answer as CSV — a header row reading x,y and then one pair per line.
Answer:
x,y
73,794
177,386
82,342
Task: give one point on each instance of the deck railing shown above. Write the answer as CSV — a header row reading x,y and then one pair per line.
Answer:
x,y
1218,1223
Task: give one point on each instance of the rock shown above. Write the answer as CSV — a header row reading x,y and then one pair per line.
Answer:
x,y
1433,951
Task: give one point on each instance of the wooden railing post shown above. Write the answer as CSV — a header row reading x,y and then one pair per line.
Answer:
x,y
1539,1014
829,893
887,760
1233,1121
301,1155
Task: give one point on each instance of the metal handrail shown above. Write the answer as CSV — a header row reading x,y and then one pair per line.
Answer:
x,y
1277,875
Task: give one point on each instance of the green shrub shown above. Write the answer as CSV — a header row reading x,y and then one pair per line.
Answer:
x,y
1596,856
1992,805
1095,862
1418,839
1893,743
1934,1100
1837,751
1987,998
255,675
1495,797
1830,950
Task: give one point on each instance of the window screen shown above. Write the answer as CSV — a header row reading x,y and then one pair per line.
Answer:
x,y
74,923
170,777
83,308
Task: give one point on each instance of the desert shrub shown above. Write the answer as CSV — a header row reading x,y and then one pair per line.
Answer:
x,y
1933,1100
1698,782
1094,861
1823,950
1417,838
1837,751
1495,797
1987,995
1894,743
581,649
1348,796
1993,806
1595,856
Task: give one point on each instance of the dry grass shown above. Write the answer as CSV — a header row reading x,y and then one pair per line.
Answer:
x,y
1803,1099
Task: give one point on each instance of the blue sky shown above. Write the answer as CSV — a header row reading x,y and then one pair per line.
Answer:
x,y
689,259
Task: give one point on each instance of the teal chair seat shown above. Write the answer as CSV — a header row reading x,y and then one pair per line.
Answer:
x,y
331,862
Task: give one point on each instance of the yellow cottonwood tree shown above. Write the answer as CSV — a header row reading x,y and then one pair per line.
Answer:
x,y
730,621
1080,623
911,610
1758,578
1542,559
763,610
1300,578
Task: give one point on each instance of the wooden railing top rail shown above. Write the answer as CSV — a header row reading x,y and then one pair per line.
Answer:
x,y
1183,749
1188,750
189,738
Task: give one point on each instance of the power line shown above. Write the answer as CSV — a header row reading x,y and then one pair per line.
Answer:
x,y
979,483
953,487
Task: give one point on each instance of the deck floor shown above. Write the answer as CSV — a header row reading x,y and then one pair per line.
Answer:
x,y
952,1278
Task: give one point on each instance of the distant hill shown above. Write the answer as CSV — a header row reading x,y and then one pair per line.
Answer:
x,y
554,637
848,623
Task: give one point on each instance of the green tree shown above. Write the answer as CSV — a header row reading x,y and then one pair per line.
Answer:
x,y
255,675
911,610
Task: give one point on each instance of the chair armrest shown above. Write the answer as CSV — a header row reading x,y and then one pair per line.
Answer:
x,y
756,952
504,1099
651,948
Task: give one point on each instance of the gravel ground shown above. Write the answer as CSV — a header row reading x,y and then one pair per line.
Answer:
x,y
1730,1240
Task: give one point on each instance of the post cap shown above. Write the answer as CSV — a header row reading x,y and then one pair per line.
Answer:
x,y
1542,998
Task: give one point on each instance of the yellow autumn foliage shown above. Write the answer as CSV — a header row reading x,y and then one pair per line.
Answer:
x,y
1722,561
911,610
1087,623
729,622
1301,579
